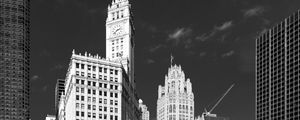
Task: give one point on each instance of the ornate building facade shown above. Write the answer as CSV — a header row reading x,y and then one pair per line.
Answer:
x,y
14,59
175,99
104,88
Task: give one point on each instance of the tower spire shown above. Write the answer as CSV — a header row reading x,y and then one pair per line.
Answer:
x,y
171,59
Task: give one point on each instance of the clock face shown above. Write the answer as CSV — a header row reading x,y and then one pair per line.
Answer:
x,y
117,30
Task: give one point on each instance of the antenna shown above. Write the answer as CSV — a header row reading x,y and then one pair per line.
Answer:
x,y
221,98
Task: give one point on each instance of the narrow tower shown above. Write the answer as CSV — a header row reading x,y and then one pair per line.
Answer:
x,y
120,36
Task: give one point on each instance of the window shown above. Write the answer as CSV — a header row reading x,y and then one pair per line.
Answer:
x,y
89,99
89,83
82,114
94,107
105,93
116,95
89,67
94,76
105,70
77,105
116,110
105,116
111,117
77,97
82,98
94,84
77,65
111,94
94,92
82,90
105,77
111,71
100,116
116,87
89,114
89,91
116,117
116,79
105,101
111,109
82,82
82,66
116,102
77,81
100,85
77,113
94,115
105,109
111,79
111,102
100,108
82,73
100,93
82,106
89,107
77,73
100,100
100,77
89,75
77,89
105,85
100,69
111,86
94,68
116,72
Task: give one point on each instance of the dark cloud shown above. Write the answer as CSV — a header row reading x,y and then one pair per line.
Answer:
x,y
224,26
179,34
228,54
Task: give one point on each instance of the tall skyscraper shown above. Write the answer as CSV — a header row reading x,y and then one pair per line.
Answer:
x,y
104,88
278,71
144,110
14,59
175,99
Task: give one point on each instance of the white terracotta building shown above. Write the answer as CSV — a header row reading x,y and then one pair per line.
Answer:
x,y
175,98
99,88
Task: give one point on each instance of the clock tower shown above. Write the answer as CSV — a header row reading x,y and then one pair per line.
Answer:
x,y
120,36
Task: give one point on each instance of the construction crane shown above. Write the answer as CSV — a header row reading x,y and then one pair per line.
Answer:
x,y
208,113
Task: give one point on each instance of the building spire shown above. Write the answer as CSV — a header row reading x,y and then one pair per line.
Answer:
x,y
171,59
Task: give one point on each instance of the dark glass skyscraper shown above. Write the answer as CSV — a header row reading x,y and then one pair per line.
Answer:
x,y
278,71
14,60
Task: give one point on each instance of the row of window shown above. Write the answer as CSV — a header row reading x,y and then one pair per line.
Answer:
x,y
101,77
93,115
93,99
94,84
94,68
93,92
93,107
117,14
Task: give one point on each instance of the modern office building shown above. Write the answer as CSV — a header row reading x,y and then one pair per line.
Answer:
x,y
59,91
104,88
14,59
144,110
278,71
175,99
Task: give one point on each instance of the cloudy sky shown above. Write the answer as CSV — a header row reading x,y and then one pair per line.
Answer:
x,y
213,40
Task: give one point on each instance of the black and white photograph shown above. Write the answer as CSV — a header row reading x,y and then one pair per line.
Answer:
x,y
149,59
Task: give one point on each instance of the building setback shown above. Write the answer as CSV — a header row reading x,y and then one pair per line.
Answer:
x,y
278,71
175,99
14,59
104,88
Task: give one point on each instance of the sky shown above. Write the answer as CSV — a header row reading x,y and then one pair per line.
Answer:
x,y
213,41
